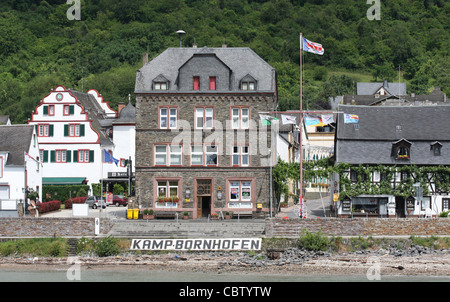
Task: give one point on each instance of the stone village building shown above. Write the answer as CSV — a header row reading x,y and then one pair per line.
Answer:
x,y
200,145
392,154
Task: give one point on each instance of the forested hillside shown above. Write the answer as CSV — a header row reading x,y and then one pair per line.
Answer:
x,y
40,48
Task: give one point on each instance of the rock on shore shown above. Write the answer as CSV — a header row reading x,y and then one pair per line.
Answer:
x,y
414,261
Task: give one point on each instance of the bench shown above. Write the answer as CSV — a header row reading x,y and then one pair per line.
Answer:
x,y
243,214
159,214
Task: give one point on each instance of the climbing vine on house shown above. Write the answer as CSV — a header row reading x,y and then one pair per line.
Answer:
x,y
432,179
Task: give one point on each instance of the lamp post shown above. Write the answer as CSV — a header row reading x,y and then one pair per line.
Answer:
x,y
181,33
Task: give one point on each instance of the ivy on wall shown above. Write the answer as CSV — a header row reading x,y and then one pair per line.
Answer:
x,y
434,178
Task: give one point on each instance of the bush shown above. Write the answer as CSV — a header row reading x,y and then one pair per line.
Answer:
x,y
48,206
107,247
314,242
444,214
68,203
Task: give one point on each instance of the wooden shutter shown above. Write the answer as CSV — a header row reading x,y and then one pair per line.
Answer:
x,y
212,83
75,156
45,156
45,110
66,130
50,130
81,130
52,156
196,83
68,156
91,156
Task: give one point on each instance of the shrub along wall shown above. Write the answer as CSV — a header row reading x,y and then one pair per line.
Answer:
x,y
290,228
51,227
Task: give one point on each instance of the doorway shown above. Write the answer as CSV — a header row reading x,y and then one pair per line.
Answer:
x,y
203,206
203,197
400,206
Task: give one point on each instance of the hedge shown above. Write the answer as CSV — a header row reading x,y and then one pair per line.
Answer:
x,y
68,203
63,192
48,206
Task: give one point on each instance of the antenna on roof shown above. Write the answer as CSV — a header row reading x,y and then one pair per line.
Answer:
x,y
181,33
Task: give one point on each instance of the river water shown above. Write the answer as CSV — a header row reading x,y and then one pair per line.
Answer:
x,y
158,276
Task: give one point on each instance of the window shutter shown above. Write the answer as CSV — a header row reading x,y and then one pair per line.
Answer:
x,y
50,130
91,156
45,110
52,156
66,130
196,83
68,156
71,109
75,156
45,156
81,130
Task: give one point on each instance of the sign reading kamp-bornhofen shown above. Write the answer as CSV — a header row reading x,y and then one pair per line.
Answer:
x,y
228,244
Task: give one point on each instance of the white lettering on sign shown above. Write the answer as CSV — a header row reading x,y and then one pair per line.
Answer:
x,y
228,244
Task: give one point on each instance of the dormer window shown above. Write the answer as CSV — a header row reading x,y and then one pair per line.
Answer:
x,y
248,83
160,83
436,148
160,86
401,150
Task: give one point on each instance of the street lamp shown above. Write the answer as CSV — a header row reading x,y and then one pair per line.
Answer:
x,y
181,33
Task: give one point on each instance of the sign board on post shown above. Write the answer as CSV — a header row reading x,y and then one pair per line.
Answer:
x,y
97,226
80,210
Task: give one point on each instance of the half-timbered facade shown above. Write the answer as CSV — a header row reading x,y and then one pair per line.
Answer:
x,y
395,162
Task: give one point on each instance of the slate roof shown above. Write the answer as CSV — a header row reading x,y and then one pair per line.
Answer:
x,y
95,114
370,142
127,115
365,88
241,60
15,139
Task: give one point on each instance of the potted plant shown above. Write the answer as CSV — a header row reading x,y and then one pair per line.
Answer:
x,y
227,215
185,215
148,214
214,216
161,199
175,199
167,199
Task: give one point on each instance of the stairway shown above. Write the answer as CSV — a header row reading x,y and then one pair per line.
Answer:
x,y
188,229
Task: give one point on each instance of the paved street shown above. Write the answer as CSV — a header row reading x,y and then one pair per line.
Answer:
x,y
314,208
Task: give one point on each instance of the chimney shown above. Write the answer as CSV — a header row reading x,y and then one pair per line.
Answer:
x,y
145,58
194,45
224,45
120,107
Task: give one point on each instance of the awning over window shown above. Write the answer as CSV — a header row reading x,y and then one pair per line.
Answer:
x,y
64,180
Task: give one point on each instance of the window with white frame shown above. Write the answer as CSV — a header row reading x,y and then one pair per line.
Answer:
x,y
204,117
83,156
240,194
168,155
61,156
212,155
197,155
240,156
161,155
44,130
168,117
175,155
160,85
240,117
168,193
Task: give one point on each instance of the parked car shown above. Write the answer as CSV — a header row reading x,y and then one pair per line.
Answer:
x,y
95,202
120,201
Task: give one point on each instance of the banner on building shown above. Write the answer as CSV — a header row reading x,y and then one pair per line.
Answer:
x,y
227,244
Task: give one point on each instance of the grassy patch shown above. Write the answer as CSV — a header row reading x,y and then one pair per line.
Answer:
x,y
44,247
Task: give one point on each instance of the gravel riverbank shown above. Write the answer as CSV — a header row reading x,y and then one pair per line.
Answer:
x,y
414,261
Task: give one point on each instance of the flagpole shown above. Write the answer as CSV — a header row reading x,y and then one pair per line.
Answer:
x,y
301,127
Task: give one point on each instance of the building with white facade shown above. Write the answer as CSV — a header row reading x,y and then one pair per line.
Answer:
x,y
20,169
74,129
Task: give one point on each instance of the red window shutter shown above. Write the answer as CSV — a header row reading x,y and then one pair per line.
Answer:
x,y
196,83
212,83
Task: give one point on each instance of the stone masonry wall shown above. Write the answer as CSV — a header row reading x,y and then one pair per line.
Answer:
x,y
291,228
51,227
